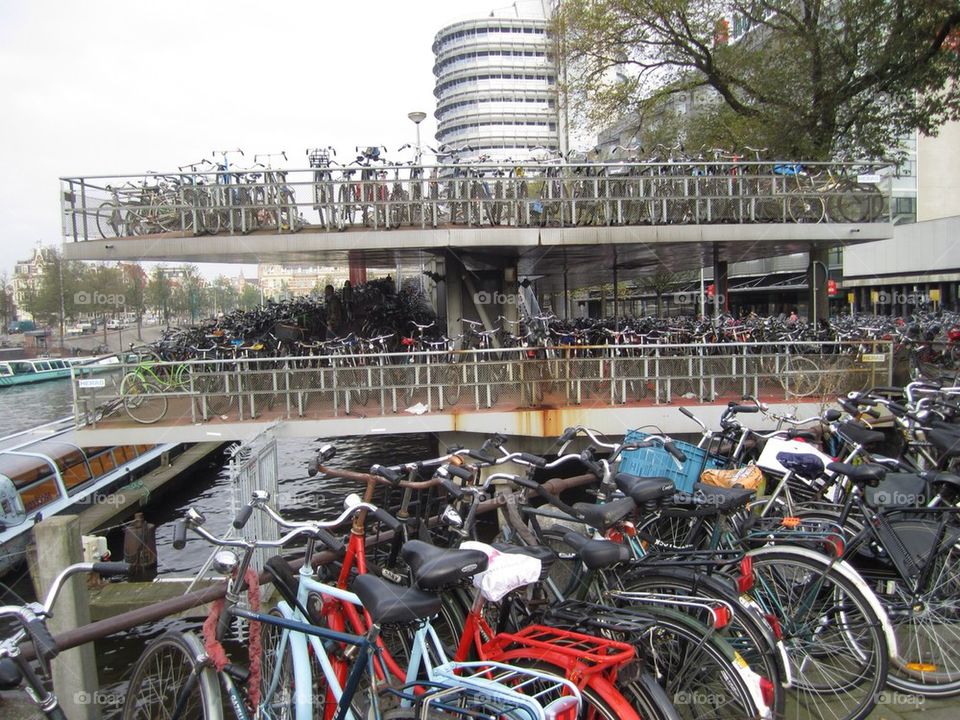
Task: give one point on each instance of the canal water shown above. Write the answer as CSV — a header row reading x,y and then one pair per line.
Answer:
x,y
302,497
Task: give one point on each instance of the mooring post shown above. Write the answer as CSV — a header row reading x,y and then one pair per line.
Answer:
x,y
74,671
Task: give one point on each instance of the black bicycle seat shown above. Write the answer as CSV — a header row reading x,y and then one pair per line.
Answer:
x,y
434,568
389,603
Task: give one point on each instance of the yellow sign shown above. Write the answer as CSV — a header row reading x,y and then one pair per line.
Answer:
x,y
851,298
935,295
874,357
874,296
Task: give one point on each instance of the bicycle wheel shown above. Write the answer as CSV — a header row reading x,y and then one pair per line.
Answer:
x,y
167,673
805,208
345,208
278,684
452,381
836,645
927,626
108,220
748,632
142,399
802,378
213,388
700,672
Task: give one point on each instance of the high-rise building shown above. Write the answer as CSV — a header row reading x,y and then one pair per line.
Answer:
x,y
496,87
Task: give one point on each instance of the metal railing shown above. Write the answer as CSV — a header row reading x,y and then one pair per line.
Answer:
x,y
382,197
427,381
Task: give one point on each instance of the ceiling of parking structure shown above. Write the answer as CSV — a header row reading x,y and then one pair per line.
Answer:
x,y
586,254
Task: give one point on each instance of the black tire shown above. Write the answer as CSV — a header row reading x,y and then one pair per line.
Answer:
x,y
109,223
278,687
837,648
167,668
748,632
142,400
214,389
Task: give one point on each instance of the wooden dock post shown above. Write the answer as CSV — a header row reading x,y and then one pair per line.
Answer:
x,y
75,671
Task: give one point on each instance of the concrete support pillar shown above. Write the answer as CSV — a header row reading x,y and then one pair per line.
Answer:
x,y
720,274
511,310
453,296
819,301
74,671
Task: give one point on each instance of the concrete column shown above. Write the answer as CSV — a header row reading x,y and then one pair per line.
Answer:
x,y
817,284
74,671
453,296
510,311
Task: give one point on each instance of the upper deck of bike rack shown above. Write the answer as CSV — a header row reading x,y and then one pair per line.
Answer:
x,y
682,214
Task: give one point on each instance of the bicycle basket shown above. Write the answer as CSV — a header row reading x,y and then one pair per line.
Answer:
x,y
657,462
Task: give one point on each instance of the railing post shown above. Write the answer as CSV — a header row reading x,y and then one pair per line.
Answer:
x,y
74,671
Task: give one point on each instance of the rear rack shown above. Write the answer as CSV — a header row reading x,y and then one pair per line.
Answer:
x,y
593,655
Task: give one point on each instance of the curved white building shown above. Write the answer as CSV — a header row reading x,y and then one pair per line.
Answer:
x,y
496,87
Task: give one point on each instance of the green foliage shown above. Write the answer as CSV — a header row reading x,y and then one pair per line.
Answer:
x,y
803,78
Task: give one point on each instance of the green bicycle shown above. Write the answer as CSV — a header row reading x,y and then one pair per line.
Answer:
x,y
142,389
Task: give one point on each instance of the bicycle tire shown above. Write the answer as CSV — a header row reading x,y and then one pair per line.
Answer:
x,y
109,224
701,677
160,675
278,683
802,379
805,208
143,400
837,648
214,388
748,633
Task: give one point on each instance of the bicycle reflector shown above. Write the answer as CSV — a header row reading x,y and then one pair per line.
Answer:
x,y
921,667
791,522
766,691
745,578
836,545
774,622
721,617
564,708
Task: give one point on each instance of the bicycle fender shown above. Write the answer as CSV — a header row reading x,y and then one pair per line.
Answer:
x,y
301,666
850,573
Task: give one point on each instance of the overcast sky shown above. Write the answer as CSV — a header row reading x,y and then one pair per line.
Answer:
x,y
122,87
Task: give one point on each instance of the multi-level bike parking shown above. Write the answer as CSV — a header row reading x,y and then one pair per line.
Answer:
x,y
374,193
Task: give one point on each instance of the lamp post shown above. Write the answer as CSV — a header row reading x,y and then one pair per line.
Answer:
x,y
417,117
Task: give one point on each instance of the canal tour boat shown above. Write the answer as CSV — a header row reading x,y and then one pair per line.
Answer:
x,y
22,372
43,473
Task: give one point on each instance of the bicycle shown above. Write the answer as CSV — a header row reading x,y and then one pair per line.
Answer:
x,y
176,672
143,389
15,670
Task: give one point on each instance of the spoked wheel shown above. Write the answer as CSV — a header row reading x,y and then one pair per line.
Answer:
x,y
280,685
167,673
803,377
213,389
838,652
805,208
927,628
143,400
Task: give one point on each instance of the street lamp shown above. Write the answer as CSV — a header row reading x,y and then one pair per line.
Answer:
x,y
417,117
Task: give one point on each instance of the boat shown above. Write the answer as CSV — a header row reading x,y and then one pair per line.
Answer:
x,y
44,473
22,372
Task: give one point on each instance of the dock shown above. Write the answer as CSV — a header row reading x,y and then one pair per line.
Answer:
x,y
131,498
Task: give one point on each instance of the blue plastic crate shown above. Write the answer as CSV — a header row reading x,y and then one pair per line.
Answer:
x,y
657,462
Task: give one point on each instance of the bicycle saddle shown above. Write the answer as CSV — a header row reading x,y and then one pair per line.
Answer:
x,y
545,555
857,433
644,489
389,603
596,554
714,499
868,474
602,517
803,464
946,441
434,568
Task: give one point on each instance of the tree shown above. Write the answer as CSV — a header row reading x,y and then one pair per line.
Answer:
x,y
159,292
62,292
249,296
135,293
7,305
805,78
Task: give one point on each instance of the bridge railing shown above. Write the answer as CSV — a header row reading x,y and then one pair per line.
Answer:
x,y
422,382
240,201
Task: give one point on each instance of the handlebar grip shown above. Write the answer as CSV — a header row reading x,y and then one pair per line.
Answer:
x,y
111,569
460,472
242,516
452,488
480,457
392,476
42,640
686,412
569,434
386,518
526,482
179,534
330,541
675,451
532,459
745,408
